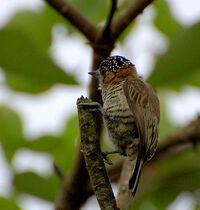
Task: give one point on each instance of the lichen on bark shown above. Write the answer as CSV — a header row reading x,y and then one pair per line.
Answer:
x,y
93,157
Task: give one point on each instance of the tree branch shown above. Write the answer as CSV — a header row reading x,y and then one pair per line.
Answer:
x,y
110,17
127,16
93,157
58,171
75,18
124,197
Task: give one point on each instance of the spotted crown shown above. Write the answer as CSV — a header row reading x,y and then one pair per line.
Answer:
x,y
113,63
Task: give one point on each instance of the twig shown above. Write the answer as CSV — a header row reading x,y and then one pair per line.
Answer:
x,y
124,196
110,17
93,157
127,16
58,171
75,18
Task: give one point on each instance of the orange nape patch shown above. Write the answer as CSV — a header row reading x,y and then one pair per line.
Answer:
x,y
111,78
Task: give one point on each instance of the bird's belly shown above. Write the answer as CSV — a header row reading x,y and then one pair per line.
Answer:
x,y
119,120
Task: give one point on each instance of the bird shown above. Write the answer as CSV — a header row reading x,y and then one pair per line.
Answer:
x,y
131,112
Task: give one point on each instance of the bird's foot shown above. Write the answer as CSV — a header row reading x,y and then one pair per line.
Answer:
x,y
94,106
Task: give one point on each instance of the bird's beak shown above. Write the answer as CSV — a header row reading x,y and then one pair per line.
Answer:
x,y
95,74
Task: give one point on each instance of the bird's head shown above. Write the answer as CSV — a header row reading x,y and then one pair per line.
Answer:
x,y
114,69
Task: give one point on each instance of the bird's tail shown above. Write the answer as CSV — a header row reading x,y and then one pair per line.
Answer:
x,y
133,182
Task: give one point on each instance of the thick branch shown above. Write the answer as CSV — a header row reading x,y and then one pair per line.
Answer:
x,y
75,18
93,157
127,16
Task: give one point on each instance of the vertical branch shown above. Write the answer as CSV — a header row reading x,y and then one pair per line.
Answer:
x,y
93,157
124,196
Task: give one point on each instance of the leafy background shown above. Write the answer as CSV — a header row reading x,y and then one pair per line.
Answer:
x,y
44,63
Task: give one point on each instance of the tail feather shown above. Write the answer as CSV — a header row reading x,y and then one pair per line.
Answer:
x,y
134,180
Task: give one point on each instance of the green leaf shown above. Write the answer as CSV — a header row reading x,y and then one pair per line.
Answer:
x,y
37,25
6,204
27,67
62,148
34,26
193,79
72,128
180,64
163,20
70,138
11,135
44,144
31,183
64,153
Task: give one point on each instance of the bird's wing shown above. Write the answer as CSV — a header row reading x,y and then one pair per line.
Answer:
x,y
145,107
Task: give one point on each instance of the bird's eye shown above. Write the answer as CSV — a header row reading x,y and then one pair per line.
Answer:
x,y
103,70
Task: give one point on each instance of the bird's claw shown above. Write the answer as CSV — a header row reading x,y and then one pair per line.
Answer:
x,y
106,159
94,106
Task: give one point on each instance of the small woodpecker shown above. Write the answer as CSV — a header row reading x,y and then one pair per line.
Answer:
x,y
131,112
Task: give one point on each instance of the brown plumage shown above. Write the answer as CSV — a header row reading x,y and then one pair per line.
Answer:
x,y
132,112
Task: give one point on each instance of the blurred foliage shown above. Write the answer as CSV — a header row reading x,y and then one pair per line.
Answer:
x,y
164,20
33,184
58,147
179,65
95,12
25,41
165,127
10,132
171,177
36,26
61,148
28,69
8,204
25,60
